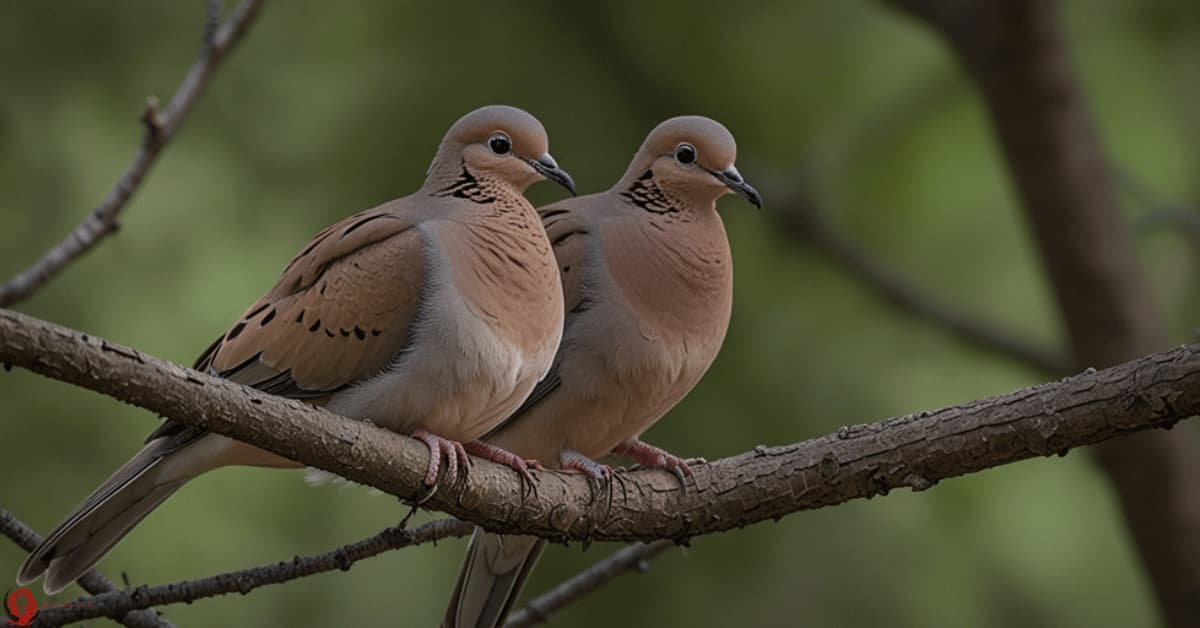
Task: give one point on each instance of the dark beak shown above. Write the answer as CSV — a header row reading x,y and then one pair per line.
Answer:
x,y
734,181
547,167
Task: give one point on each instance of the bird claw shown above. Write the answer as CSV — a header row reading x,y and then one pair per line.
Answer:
x,y
454,452
507,458
574,461
652,457
423,495
504,457
618,479
598,474
682,479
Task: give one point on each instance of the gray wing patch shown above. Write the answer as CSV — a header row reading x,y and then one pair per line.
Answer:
x,y
551,382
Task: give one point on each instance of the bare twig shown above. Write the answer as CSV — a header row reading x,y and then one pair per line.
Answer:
x,y
161,127
92,582
629,558
1158,212
243,582
804,221
909,451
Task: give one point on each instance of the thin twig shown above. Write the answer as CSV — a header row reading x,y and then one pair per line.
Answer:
x,y
93,581
115,603
1157,212
161,127
629,558
803,220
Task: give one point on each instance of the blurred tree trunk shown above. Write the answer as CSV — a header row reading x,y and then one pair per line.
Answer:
x,y
1015,50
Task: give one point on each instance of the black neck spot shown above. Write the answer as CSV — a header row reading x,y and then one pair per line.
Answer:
x,y
466,186
645,194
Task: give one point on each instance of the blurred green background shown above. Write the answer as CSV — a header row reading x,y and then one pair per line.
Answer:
x,y
327,109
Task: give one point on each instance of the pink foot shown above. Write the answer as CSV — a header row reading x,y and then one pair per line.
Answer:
x,y
652,457
438,447
504,457
575,461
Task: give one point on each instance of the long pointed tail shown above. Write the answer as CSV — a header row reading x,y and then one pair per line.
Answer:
x,y
492,576
112,510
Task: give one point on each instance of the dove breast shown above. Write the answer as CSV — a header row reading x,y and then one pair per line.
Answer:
x,y
469,363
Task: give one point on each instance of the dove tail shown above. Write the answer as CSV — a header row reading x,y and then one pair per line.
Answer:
x,y
492,576
113,509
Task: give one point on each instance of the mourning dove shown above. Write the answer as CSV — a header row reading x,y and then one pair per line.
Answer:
x,y
648,284
432,315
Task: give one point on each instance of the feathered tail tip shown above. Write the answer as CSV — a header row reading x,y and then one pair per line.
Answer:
x,y
491,579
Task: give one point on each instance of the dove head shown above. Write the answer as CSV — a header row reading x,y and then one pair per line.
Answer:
x,y
501,143
692,157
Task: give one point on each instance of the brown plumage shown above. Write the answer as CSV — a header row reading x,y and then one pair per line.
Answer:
x,y
432,315
648,281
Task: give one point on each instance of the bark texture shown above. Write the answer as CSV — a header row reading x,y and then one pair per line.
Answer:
x,y
914,451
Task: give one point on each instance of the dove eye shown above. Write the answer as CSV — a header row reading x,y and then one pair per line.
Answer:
x,y
500,144
685,154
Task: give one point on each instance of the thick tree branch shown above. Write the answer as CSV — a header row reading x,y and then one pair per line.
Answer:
x,y
116,603
859,461
631,557
161,127
1016,52
93,581
803,220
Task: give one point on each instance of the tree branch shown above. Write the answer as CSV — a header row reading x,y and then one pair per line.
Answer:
x,y
116,603
92,582
859,461
161,127
631,557
803,220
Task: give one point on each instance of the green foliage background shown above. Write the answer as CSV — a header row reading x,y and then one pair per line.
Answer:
x,y
329,108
